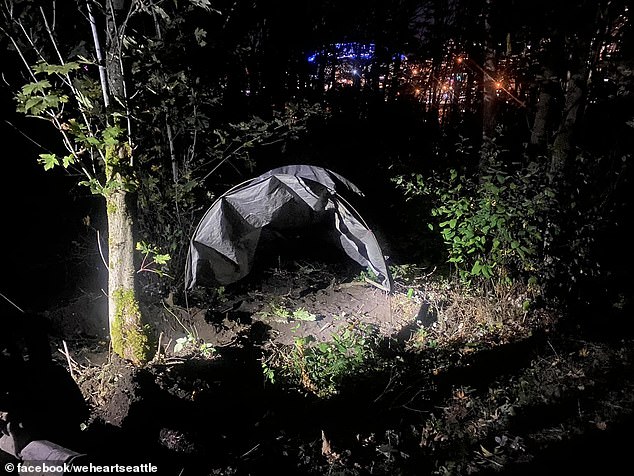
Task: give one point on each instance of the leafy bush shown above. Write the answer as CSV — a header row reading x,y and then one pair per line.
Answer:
x,y
492,225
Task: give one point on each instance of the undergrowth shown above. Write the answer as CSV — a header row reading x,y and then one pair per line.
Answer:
x,y
320,368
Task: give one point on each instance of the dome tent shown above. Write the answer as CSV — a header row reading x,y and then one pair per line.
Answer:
x,y
223,247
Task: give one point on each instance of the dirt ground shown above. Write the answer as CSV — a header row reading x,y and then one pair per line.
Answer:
x,y
305,299
462,391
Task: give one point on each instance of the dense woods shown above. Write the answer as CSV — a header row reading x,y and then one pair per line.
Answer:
x,y
493,141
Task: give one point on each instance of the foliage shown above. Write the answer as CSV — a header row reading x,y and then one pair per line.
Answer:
x,y
195,141
321,368
366,274
153,260
85,137
164,137
279,311
406,273
593,198
493,224
190,343
301,314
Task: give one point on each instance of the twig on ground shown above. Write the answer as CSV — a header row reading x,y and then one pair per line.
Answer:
x,y
69,360
157,356
250,451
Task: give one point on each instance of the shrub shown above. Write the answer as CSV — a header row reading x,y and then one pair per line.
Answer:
x,y
493,224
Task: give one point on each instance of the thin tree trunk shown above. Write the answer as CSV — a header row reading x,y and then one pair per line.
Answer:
x,y
113,48
543,115
564,143
583,59
489,89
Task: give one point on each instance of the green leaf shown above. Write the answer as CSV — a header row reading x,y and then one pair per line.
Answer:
x,y
40,67
302,314
36,87
84,100
48,161
111,135
52,101
32,103
59,69
200,36
84,60
477,267
485,452
68,160
161,258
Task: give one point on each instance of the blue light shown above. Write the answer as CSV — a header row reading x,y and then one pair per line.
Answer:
x,y
345,51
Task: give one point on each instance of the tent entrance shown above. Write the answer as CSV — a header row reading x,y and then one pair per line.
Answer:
x,y
316,243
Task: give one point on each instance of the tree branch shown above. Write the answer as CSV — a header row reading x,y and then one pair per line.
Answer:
x,y
103,79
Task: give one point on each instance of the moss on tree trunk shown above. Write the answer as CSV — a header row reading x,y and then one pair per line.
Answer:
x,y
129,335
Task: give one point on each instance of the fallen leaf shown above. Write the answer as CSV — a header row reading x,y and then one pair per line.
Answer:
x,y
486,452
326,450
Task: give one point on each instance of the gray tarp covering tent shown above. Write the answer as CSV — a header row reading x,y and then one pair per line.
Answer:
x,y
223,247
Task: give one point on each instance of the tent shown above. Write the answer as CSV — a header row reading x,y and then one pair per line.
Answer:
x,y
278,202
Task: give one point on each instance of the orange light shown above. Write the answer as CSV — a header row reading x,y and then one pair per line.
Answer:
x,y
459,60
498,84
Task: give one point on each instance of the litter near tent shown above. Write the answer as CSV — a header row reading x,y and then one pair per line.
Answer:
x,y
280,201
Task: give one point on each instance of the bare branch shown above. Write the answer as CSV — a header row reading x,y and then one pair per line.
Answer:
x,y
30,40
170,140
26,136
20,53
103,78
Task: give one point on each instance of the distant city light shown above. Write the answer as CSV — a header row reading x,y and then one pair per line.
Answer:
x,y
443,85
350,51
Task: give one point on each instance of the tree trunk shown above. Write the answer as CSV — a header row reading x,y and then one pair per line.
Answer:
x,y
564,142
114,52
543,115
583,59
128,335
489,88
